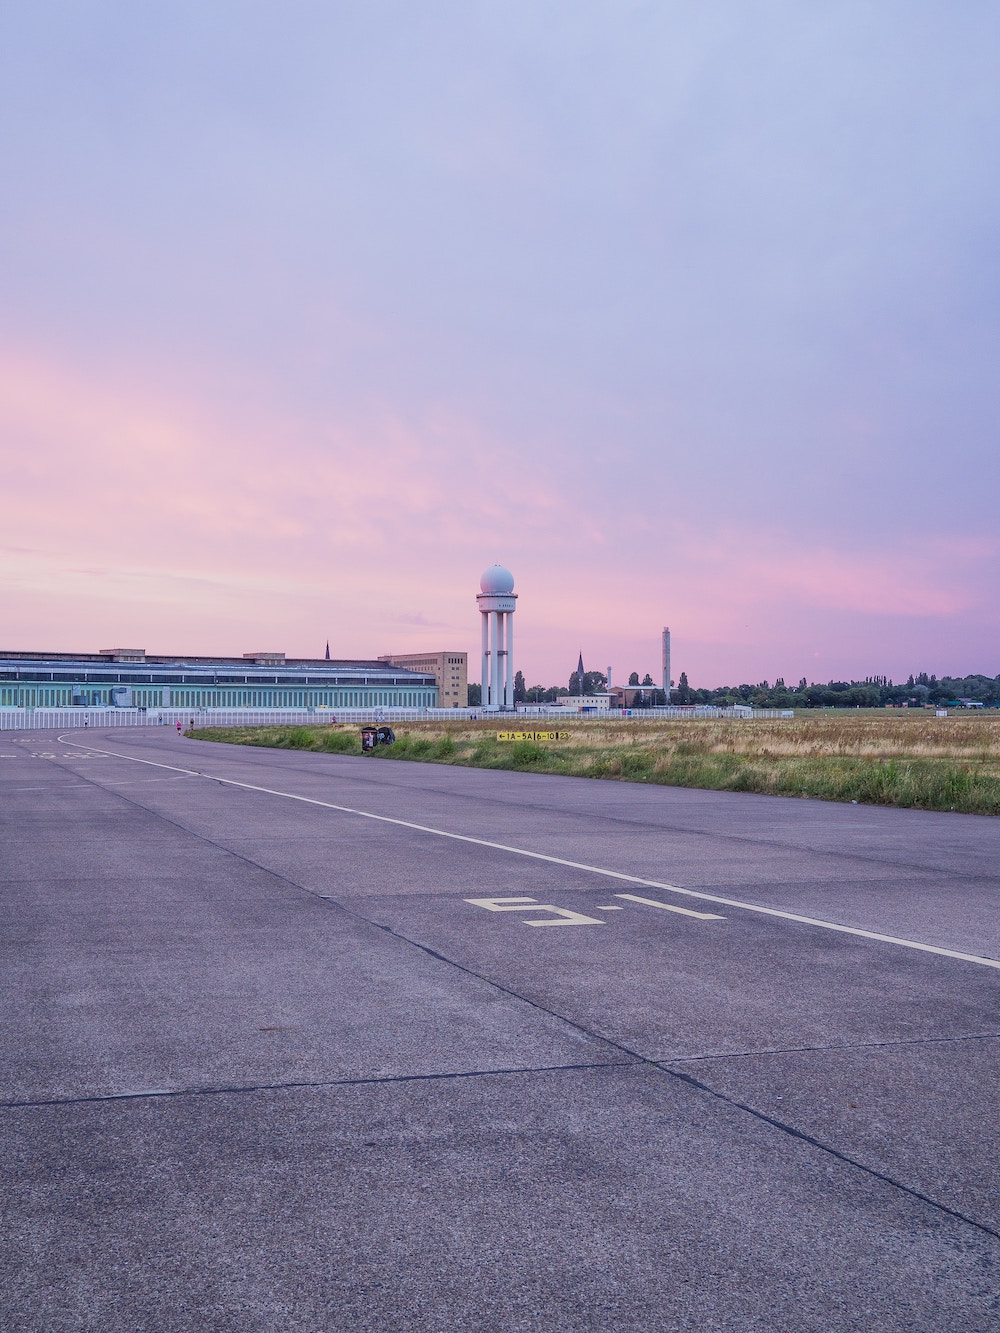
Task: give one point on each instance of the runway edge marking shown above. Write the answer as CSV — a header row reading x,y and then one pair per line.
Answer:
x,y
571,865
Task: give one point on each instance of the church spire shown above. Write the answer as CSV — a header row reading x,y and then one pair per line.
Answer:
x,y
328,650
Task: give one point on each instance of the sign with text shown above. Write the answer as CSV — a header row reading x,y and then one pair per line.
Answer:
x,y
532,735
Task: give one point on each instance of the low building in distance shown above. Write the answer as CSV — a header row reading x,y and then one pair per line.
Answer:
x,y
450,670
583,703
133,678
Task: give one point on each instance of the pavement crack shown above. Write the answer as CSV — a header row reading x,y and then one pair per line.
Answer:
x,y
292,1085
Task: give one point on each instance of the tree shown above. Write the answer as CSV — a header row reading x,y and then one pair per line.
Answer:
x,y
519,691
647,679
475,695
683,689
594,682
634,678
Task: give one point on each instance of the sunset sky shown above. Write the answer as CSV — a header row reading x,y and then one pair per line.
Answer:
x,y
687,313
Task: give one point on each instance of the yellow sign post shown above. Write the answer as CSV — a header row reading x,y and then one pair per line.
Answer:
x,y
532,735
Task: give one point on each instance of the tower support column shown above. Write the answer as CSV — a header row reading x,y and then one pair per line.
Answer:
x,y
501,658
494,658
484,688
508,694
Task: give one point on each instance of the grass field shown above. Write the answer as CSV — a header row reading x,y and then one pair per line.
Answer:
x,y
902,759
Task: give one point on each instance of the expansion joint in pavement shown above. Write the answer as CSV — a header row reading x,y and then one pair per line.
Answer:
x,y
631,1057
826,1148
691,1081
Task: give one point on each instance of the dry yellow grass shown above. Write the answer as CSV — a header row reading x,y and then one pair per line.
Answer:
x,y
908,759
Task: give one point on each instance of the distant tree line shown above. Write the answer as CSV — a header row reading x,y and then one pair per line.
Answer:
x,y
872,692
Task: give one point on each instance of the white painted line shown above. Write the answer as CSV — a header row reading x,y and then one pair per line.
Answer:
x,y
670,907
573,865
611,907
89,786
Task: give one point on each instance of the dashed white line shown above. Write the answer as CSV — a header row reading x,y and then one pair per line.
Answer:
x,y
671,907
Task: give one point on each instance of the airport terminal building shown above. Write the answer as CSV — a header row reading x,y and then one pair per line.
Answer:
x,y
131,678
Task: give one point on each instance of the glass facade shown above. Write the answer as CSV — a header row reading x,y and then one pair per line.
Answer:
x,y
64,680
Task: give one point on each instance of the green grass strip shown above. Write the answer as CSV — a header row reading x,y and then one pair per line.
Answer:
x,y
917,782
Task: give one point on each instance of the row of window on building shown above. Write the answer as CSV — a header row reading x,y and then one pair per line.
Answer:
x,y
40,696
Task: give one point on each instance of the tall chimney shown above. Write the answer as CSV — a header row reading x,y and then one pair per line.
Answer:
x,y
666,663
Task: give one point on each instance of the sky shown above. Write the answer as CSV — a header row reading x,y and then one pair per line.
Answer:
x,y
687,313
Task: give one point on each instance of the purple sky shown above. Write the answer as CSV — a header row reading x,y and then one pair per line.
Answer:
x,y
687,313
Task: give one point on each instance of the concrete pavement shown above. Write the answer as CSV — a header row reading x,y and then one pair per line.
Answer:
x,y
266,1065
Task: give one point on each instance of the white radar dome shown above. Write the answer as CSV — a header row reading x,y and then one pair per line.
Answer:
x,y
497,580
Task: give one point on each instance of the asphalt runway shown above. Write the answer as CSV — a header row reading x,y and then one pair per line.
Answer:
x,y
308,1042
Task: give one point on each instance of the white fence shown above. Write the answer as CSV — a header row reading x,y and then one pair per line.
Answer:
x,y
36,719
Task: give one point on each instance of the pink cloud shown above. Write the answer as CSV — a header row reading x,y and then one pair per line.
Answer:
x,y
131,514
136,505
